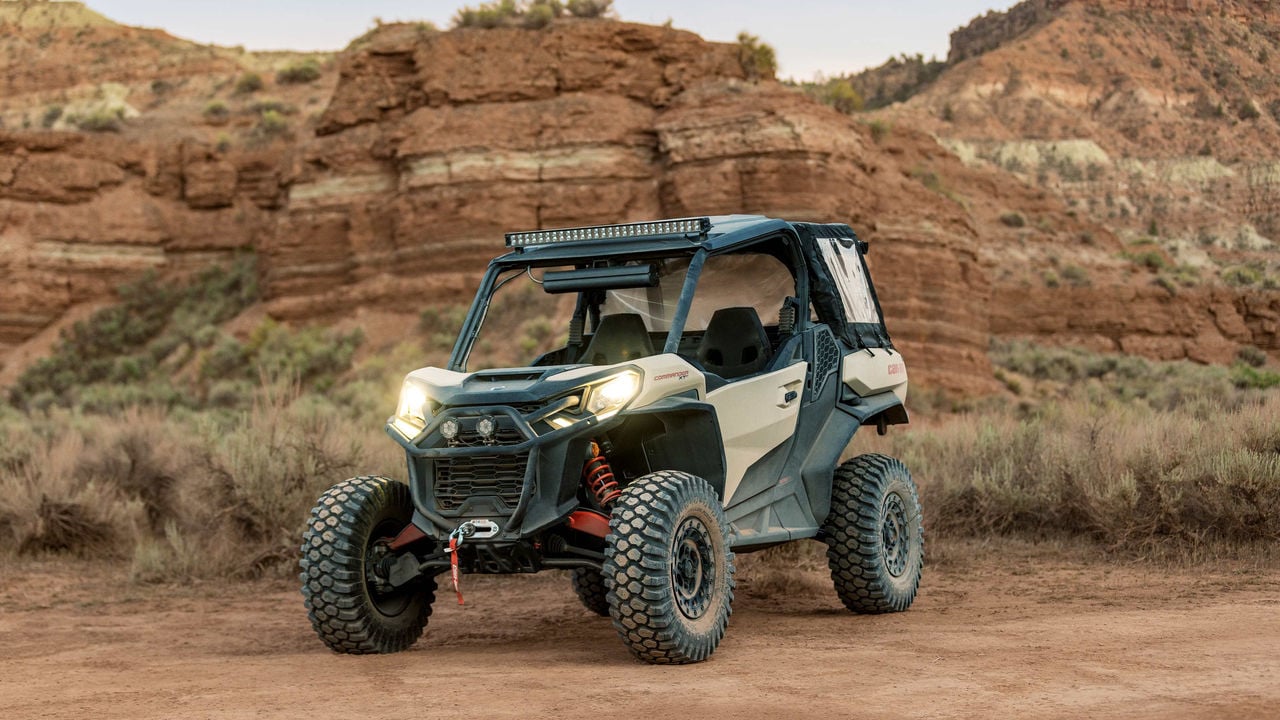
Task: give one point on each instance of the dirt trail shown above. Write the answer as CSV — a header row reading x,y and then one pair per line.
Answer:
x,y
1029,638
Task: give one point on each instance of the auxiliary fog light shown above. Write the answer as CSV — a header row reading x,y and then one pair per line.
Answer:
x,y
486,426
449,429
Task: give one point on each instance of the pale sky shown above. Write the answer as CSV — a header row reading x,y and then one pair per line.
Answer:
x,y
810,35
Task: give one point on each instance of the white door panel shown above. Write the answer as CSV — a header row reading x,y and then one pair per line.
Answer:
x,y
756,415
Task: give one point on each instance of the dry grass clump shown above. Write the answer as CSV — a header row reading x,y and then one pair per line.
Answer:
x,y
183,495
1135,479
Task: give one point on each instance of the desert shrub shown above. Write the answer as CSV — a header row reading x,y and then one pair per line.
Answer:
x,y
50,116
1013,220
841,95
264,106
1252,356
540,14
1149,259
271,123
216,111
183,495
589,8
1076,275
488,15
879,130
1136,480
312,356
100,120
758,59
1247,377
1121,378
1241,276
297,73
248,83
533,14
126,342
1249,111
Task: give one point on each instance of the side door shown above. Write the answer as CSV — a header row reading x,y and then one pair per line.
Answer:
x,y
755,378
757,417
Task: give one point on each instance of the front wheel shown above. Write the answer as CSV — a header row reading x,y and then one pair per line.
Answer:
x,y
352,607
874,535
669,568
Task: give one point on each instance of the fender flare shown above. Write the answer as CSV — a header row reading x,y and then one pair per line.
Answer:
x,y
882,408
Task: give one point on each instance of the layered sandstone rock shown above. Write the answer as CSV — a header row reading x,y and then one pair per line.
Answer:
x,y
430,145
435,144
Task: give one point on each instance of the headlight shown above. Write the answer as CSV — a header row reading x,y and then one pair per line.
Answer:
x,y
412,411
609,397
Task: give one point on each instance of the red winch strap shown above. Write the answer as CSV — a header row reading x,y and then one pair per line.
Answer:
x,y
453,567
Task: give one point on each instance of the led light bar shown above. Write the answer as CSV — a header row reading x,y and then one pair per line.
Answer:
x,y
680,226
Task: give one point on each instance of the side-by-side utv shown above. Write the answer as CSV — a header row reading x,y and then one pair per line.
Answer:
x,y
692,402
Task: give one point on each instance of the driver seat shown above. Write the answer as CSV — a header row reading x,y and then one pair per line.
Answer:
x,y
735,344
618,338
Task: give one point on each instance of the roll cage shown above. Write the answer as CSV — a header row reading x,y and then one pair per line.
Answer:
x,y
725,236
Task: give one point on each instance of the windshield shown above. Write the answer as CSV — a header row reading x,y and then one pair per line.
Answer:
x,y
526,325
532,309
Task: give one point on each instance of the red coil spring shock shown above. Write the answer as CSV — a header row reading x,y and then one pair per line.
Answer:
x,y
599,477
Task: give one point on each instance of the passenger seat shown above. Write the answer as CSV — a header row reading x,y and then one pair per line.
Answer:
x,y
735,344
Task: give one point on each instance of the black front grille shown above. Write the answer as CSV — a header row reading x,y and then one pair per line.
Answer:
x,y
459,478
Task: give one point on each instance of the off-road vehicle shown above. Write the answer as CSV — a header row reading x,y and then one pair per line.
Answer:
x,y
698,381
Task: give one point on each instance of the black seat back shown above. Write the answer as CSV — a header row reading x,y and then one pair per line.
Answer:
x,y
618,338
735,344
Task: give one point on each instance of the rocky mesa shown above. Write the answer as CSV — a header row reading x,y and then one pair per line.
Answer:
x,y
391,190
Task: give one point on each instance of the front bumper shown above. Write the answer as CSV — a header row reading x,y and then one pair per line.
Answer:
x,y
521,480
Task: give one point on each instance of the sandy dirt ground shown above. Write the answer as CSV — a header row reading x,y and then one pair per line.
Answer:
x,y
993,637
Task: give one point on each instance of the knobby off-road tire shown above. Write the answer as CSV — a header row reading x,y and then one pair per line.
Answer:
x,y
874,535
340,548
669,568
589,586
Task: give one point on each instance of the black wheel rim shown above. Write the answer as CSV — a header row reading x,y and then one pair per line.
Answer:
x,y
693,568
387,600
894,534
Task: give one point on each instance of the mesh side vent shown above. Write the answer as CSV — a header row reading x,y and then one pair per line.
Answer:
x,y
826,359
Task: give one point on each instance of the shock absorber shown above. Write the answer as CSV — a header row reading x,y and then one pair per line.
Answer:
x,y
598,476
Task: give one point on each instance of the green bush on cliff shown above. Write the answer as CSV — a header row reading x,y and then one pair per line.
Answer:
x,y
589,8
248,83
154,323
534,14
100,120
758,59
487,15
299,72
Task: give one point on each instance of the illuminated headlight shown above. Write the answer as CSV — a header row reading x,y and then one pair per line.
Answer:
x,y
412,411
608,397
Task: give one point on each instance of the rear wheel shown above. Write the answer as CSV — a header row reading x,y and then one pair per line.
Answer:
x,y
669,568
344,555
589,586
874,535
